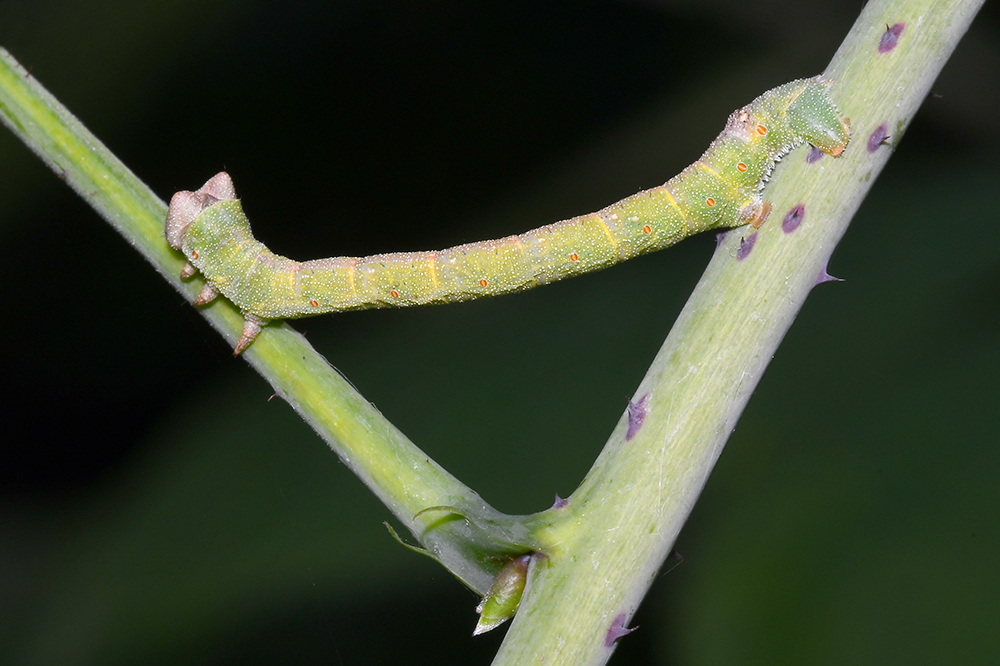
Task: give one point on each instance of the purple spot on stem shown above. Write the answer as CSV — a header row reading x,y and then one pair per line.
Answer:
x,y
617,630
719,237
890,37
793,218
746,245
825,277
636,415
560,502
815,155
878,137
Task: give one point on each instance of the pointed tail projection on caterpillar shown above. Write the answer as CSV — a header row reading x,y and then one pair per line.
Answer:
x,y
722,189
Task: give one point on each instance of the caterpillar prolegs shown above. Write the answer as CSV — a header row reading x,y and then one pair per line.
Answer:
x,y
722,189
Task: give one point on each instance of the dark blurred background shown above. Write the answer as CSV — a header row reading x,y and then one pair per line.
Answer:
x,y
156,508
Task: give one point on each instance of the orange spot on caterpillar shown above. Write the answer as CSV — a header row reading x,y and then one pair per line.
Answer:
x,y
710,201
314,303
483,283
394,293
761,130
741,167
194,255
647,229
574,257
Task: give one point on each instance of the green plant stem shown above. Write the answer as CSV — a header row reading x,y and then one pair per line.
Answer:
x,y
607,544
402,476
602,550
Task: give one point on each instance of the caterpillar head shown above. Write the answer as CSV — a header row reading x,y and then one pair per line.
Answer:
x,y
185,206
814,117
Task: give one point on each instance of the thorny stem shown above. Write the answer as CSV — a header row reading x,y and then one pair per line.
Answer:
x,y
605,545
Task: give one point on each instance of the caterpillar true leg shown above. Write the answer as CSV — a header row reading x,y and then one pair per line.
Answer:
x,y
761,215
722,189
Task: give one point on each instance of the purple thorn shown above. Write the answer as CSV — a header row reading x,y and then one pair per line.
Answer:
x,y
815,155
560,502
890,37
793,218
878,137
825,277
746,245
636,415
617,630
674,555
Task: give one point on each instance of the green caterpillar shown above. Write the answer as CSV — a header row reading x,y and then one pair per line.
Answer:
x,y
722,189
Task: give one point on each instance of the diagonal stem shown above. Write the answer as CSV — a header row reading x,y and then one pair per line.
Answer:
x,y
398,472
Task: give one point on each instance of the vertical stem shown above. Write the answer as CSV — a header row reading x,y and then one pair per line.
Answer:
x,y
605,547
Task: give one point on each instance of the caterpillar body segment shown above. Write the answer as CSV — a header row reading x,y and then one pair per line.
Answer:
x,y
722,189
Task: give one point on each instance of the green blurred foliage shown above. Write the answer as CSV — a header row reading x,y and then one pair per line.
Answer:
x,y
157,507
